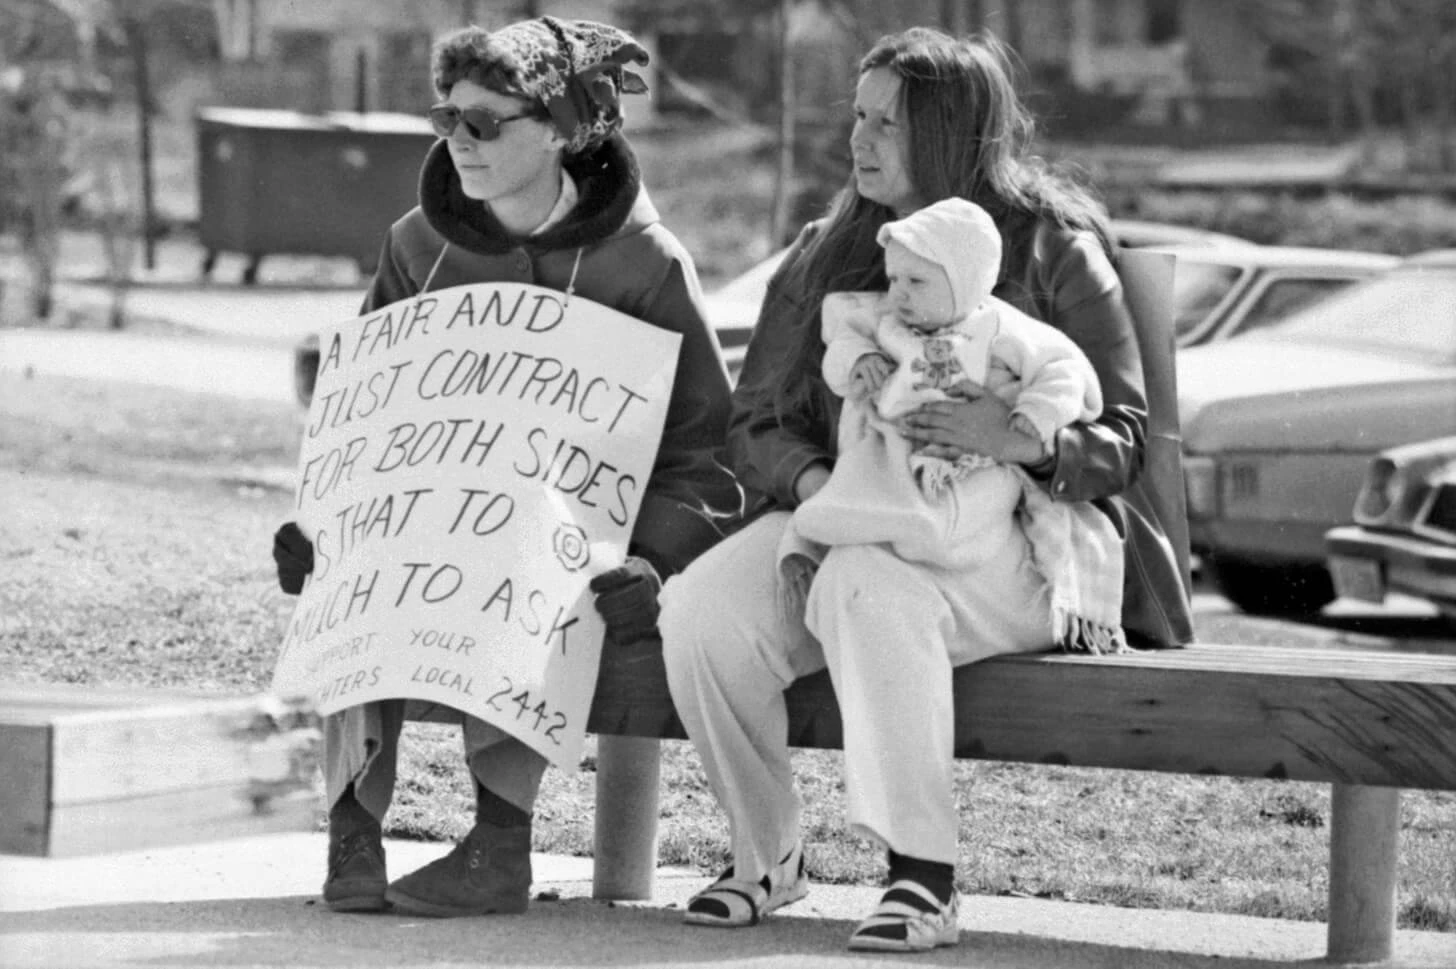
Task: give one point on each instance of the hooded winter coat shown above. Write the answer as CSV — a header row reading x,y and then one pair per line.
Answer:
x,y
622,256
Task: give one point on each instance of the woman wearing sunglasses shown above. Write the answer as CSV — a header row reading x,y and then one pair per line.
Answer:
x,y
531,182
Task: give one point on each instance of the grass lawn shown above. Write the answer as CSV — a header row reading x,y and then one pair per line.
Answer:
x,y
135,545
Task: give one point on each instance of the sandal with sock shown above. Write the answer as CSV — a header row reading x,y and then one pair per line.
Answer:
x,y
909,918
732,903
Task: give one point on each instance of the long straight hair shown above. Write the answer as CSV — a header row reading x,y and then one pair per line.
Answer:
x,y
970,137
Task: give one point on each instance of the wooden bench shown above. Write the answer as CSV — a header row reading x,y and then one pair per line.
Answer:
x,y
1369,722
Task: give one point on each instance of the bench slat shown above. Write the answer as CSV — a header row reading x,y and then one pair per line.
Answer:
x,y
1310,713
1308,661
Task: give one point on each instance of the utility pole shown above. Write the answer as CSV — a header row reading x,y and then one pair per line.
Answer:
x,y
783,197
959,17
136,36
361,80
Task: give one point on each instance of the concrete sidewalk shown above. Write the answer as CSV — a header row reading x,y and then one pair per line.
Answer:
x,y
184,334
254,902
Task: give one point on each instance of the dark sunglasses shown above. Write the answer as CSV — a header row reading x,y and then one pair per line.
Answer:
x,y
482,124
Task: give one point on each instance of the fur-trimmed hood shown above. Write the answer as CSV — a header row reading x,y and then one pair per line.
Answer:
x,y
611,202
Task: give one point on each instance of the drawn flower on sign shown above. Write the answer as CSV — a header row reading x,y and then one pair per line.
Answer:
x,y
571,548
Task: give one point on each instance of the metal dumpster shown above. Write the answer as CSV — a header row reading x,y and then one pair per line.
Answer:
x,y
285,182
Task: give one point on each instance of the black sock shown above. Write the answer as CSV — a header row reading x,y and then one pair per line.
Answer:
x,y
937,877
496,810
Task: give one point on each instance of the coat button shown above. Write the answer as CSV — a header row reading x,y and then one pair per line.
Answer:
x,y
1061,487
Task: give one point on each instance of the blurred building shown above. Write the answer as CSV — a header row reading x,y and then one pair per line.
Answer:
x,y
1153,62
1175,62
350,55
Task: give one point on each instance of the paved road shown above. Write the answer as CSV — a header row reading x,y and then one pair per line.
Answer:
x,y
221,339
201,365
270,316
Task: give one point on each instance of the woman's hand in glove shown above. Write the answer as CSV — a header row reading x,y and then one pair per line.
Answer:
x,y
293,555
627,600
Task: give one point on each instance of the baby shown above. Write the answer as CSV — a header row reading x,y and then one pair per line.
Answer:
x,y
938,333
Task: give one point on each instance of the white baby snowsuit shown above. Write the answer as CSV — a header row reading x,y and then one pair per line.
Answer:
x,y
928,509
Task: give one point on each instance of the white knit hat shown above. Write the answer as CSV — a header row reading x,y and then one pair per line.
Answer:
x,y
961,238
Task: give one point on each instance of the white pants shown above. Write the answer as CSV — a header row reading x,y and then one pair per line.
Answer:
x,y
889,632
361,747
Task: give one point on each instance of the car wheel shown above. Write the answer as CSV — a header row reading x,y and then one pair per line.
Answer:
x,y
1273,590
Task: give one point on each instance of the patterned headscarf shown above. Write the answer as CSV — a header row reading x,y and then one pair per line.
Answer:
x,y
577,69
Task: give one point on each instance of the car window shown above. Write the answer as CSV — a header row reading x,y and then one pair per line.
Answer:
x,y
1283,296
1198,287
1410,312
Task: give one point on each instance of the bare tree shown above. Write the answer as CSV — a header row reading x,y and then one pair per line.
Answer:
x,y
1417,39
1376,58
783,200
44,141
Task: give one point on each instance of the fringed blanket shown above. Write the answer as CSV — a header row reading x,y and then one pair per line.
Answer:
x,y
1074,546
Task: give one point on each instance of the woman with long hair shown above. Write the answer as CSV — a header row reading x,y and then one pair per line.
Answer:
x,y
936,117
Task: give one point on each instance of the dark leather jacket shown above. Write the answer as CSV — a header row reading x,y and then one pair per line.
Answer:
x,y
1066,279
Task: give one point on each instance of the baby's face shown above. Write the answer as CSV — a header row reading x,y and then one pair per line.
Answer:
x,y
920,293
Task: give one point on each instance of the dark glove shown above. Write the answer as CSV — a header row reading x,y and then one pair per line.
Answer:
x,y
293,554
627,600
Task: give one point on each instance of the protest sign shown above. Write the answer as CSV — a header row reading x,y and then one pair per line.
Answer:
x,y
472,457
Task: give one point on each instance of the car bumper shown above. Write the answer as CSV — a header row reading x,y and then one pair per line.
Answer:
x,y
1366,564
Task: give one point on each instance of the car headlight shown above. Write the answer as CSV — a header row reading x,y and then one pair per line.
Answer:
x,y
1380,492
1200,479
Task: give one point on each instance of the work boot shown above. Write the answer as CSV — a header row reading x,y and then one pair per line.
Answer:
x,y
356,880
489,873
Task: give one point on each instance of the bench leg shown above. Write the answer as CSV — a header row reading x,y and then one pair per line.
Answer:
x,y
625,836
1364,849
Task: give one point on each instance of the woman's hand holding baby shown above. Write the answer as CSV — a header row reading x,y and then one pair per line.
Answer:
x,y
980,423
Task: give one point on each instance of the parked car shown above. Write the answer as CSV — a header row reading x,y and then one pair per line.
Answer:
x,y
1280,425
1140,233
1221,292
1404,534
